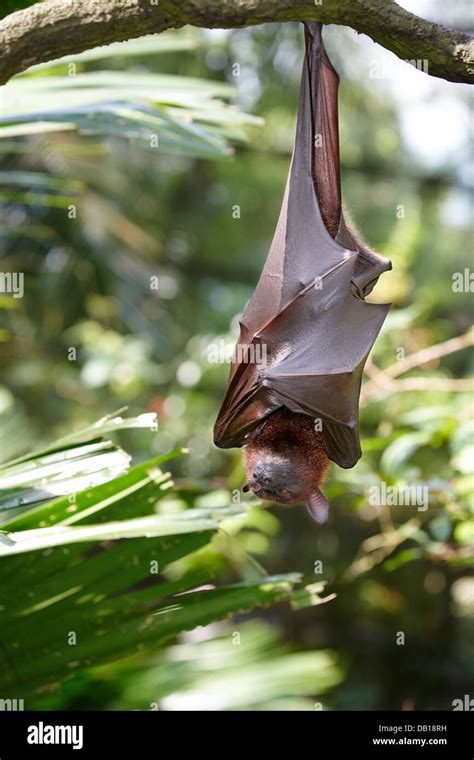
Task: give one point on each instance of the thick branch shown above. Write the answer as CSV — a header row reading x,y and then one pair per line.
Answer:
x,y
50,30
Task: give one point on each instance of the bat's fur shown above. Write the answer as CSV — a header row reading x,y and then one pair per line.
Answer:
x,y
293,454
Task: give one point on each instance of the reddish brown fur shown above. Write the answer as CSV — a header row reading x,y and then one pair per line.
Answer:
x,y
292,436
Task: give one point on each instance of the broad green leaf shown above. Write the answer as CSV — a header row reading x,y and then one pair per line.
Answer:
x,y
401,449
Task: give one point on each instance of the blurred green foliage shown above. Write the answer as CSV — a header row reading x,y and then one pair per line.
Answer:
x,y
143,214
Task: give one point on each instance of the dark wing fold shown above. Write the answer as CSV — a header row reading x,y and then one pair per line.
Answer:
x,y
317,357
302,249
307,316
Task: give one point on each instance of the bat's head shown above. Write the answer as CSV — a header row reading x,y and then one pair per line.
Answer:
x,y
286,462
272,476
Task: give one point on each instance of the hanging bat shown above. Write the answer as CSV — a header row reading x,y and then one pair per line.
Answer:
x,y
293,392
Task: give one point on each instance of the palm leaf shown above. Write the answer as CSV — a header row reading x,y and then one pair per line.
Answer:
x,y
179,114
73,464
74,596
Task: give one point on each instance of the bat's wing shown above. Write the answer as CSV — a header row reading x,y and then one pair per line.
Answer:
x,y
306,331
328,337
302,248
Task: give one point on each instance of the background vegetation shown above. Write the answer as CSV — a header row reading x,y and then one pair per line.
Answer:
x,y
93,210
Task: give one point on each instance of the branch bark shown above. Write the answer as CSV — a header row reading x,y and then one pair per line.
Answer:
x,y
55,28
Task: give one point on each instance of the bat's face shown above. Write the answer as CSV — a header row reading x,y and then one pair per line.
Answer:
x,y
286,462
276,478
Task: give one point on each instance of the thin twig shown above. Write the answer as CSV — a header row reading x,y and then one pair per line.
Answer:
x,y
383,383
430,354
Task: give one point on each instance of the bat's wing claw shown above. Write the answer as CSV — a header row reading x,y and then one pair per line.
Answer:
x,y
369,266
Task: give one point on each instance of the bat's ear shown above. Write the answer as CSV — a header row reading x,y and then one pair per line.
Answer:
x,y
318,506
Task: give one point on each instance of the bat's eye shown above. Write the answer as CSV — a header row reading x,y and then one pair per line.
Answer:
x,y
286,494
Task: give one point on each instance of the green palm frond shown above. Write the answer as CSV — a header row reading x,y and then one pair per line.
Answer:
x,y
74,463
96,574
153,111
241,666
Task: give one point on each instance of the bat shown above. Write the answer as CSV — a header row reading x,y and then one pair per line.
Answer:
x,y
293,392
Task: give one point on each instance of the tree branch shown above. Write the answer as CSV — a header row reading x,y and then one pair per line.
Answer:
x,y
50,30
382,381
431,353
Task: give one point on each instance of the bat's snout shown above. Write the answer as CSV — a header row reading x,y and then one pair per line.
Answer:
x,y
263,474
